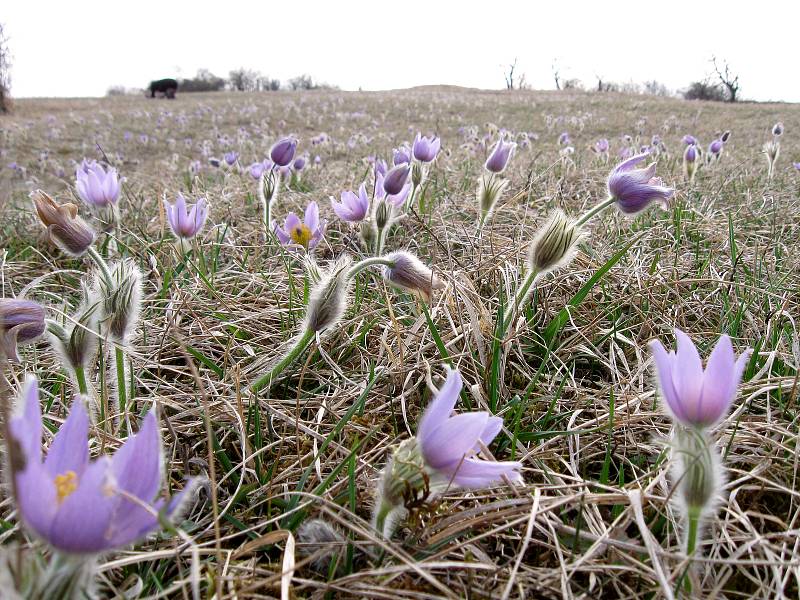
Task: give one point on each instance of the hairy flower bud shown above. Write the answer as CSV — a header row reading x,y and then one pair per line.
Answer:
x,y
121,303
408,273
555,243
697,469
65,228
329,297
76,341
489,191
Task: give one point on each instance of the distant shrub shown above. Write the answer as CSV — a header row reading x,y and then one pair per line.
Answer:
x,y
121,90
5,73
204,81
571,84
267,84
704,90
305,82
656,88
244,80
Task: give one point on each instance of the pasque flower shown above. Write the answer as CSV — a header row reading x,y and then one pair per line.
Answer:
x,y
282,151
634,189
425,149
85,507
186,224
500,155
21,321
407,272
306,233
689,140
395,179
693,396
353,207
97,187
65,228
231,158
401,156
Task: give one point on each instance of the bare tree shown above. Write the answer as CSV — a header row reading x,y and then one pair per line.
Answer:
x,y
727,78
510,75
556,75
243,80
5,72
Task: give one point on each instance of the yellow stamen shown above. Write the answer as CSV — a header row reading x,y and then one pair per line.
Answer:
x,y
66,484
301,235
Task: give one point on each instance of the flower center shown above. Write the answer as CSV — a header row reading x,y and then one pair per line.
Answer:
x,y
66,483
301,235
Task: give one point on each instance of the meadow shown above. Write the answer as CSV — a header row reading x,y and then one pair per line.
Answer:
x,y
286,474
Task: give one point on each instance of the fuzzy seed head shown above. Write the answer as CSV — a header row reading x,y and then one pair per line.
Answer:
x,y
121,304
329,298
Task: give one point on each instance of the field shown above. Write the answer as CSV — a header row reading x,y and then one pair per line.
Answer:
x,y
572,377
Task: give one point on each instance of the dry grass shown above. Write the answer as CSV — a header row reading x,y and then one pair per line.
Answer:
x,y
595,518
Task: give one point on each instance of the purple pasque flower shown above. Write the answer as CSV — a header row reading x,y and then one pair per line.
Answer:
x,y
564,139
501,153
449,443
796,165
690,154
282,151
395,199
634,189
695,397
395,179
425,149
21,321
299,164
85,507
257,169
306,233
353,207
231,158
601,146
380,167
715,148
401,155
777,129
97,187
689,140
186,222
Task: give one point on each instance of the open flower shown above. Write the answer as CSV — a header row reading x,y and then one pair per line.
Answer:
x,y
449,443
65,228
80,506
353,207
186,224
21,321
693,396
97,187
306,233
425,149
634,189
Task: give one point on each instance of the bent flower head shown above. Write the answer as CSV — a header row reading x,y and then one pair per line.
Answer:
x,y
634,189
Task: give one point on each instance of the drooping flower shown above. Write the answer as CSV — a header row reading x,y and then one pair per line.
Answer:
x,y
408,273
395,179
634,189
186,223
65,228
449,443
696,397
689,140
21,322
425,149
97,187
353,207
500,155
282,151
306,233
84,507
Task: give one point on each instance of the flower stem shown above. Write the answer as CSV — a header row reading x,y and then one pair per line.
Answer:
x,y
296,350
691,538
119,359
596,209
369,262
102,265
80,375
519,298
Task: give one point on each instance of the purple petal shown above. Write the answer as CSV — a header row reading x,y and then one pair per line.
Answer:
x,y
718,384
36,497
687,374
473,473
312,216
664,364
70,448
452,440
136,466
493,427
442,405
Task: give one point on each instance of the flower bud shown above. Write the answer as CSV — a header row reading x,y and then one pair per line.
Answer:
x,y
697,470
121,304
65,228
21,321
320,541
328,300
777,129
555,243
76,342
725,137
489,191
395,179
409,274
282,151
501,154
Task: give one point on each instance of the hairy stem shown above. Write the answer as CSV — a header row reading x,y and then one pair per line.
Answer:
x,y
296,350
369,262
595,210
102,265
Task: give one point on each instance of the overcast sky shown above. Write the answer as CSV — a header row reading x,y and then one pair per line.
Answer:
x,y
81,48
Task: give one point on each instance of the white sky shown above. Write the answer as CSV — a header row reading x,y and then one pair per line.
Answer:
x,y
80,48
